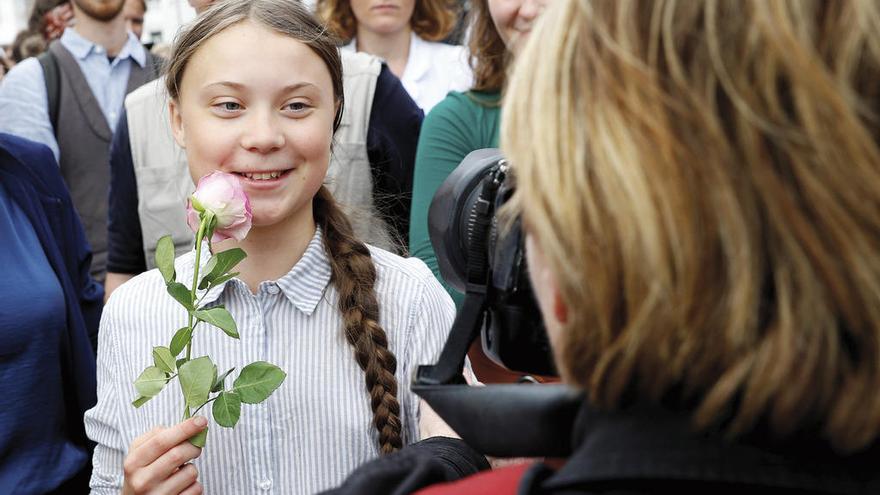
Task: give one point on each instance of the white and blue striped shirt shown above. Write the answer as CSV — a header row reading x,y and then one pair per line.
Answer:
x,y
316,427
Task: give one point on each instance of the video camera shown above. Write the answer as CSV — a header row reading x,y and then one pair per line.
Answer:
x,y
485,259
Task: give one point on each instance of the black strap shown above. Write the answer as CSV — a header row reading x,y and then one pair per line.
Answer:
x,y
52,76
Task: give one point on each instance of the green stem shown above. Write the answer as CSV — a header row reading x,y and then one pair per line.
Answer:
x,y
199,236
205,404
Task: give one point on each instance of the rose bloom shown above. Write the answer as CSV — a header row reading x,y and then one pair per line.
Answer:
x,y
221,194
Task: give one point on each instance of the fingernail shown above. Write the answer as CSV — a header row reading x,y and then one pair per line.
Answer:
x,y
200,421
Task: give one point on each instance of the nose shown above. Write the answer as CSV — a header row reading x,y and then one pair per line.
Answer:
x,y
263,133
530,9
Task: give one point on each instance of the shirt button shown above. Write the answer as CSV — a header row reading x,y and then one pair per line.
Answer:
x,y
273,289
266,485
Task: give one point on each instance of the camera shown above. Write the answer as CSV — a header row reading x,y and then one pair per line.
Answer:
x,y
475,246
482,254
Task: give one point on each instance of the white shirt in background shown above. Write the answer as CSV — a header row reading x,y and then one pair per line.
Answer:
x,y
432,70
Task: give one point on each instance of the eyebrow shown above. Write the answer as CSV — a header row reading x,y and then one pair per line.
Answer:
x,y
242,87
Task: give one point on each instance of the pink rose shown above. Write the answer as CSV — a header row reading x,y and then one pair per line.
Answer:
x,y
221,194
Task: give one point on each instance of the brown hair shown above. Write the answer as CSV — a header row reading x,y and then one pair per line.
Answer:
x,y
432,20
703,179
353,272
489,54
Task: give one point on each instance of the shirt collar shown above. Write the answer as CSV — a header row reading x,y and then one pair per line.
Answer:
x,y
82,48
303,285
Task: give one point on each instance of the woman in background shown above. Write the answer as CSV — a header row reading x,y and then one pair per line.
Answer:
x,y
49,312
464,122
407,35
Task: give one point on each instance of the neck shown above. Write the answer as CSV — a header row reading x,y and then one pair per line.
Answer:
x,y
111,35
273,250
393,47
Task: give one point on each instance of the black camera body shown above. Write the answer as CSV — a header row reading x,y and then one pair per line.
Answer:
x,y
474,246
484,257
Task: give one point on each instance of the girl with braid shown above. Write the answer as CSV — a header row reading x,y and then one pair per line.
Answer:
x,y
256,90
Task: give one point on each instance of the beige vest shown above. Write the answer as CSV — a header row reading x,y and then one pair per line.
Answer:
x,y
164,182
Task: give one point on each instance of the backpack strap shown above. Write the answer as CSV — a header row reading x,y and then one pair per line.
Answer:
x,y
52,77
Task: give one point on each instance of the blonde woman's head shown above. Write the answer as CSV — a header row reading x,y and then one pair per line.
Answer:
x,y
701,182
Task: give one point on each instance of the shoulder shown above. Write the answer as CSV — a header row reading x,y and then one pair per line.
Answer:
x,y
457,111
31,161
390,264
359,63
405,278
23,75
146,94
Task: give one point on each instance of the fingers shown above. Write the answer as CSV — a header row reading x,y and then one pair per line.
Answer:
x,y
165,440
183,481
143,438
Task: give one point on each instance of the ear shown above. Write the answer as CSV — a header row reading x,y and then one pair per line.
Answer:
x,y
177,129
560,309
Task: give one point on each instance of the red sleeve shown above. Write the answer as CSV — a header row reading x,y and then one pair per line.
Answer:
x,y
496,481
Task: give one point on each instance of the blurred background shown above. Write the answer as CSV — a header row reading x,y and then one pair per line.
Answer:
x,y
161,20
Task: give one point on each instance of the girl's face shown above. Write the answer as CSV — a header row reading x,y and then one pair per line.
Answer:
x,y
383,16
514,19
260,105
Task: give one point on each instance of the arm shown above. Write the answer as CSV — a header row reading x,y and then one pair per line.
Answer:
x,y
446,138
24,104
125,253
395,122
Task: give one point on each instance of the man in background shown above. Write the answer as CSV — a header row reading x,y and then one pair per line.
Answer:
x,y
70,99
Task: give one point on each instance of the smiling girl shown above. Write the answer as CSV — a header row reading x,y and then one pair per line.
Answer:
x,y
256,91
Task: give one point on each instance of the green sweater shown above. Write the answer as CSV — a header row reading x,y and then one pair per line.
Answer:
x,y
461,123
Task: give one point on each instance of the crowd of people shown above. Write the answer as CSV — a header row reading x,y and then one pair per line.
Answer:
x,y
699,184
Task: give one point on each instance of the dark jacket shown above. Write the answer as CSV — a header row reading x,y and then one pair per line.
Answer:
x,y
31,177
652,450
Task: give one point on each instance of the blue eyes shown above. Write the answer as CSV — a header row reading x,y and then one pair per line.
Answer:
x,y
296,107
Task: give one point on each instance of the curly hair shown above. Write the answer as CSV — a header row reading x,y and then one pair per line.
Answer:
x,y
432,20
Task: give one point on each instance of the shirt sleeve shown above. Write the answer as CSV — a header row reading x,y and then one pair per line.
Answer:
x,y
24,104
103,421
392,137
445,140
125,251
431,321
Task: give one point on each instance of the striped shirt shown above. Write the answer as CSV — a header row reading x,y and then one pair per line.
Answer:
x,y
316,428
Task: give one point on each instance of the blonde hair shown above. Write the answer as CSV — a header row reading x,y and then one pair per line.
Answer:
x,y
432,20
703,178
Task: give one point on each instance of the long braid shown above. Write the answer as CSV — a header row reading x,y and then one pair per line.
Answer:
x,y
354,276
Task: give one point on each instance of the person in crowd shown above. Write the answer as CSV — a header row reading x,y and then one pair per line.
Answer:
x,y
370,168
256,86
71,100
406,34
27,44
50,18
134,11
6,62
699,182
464,122
49,312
